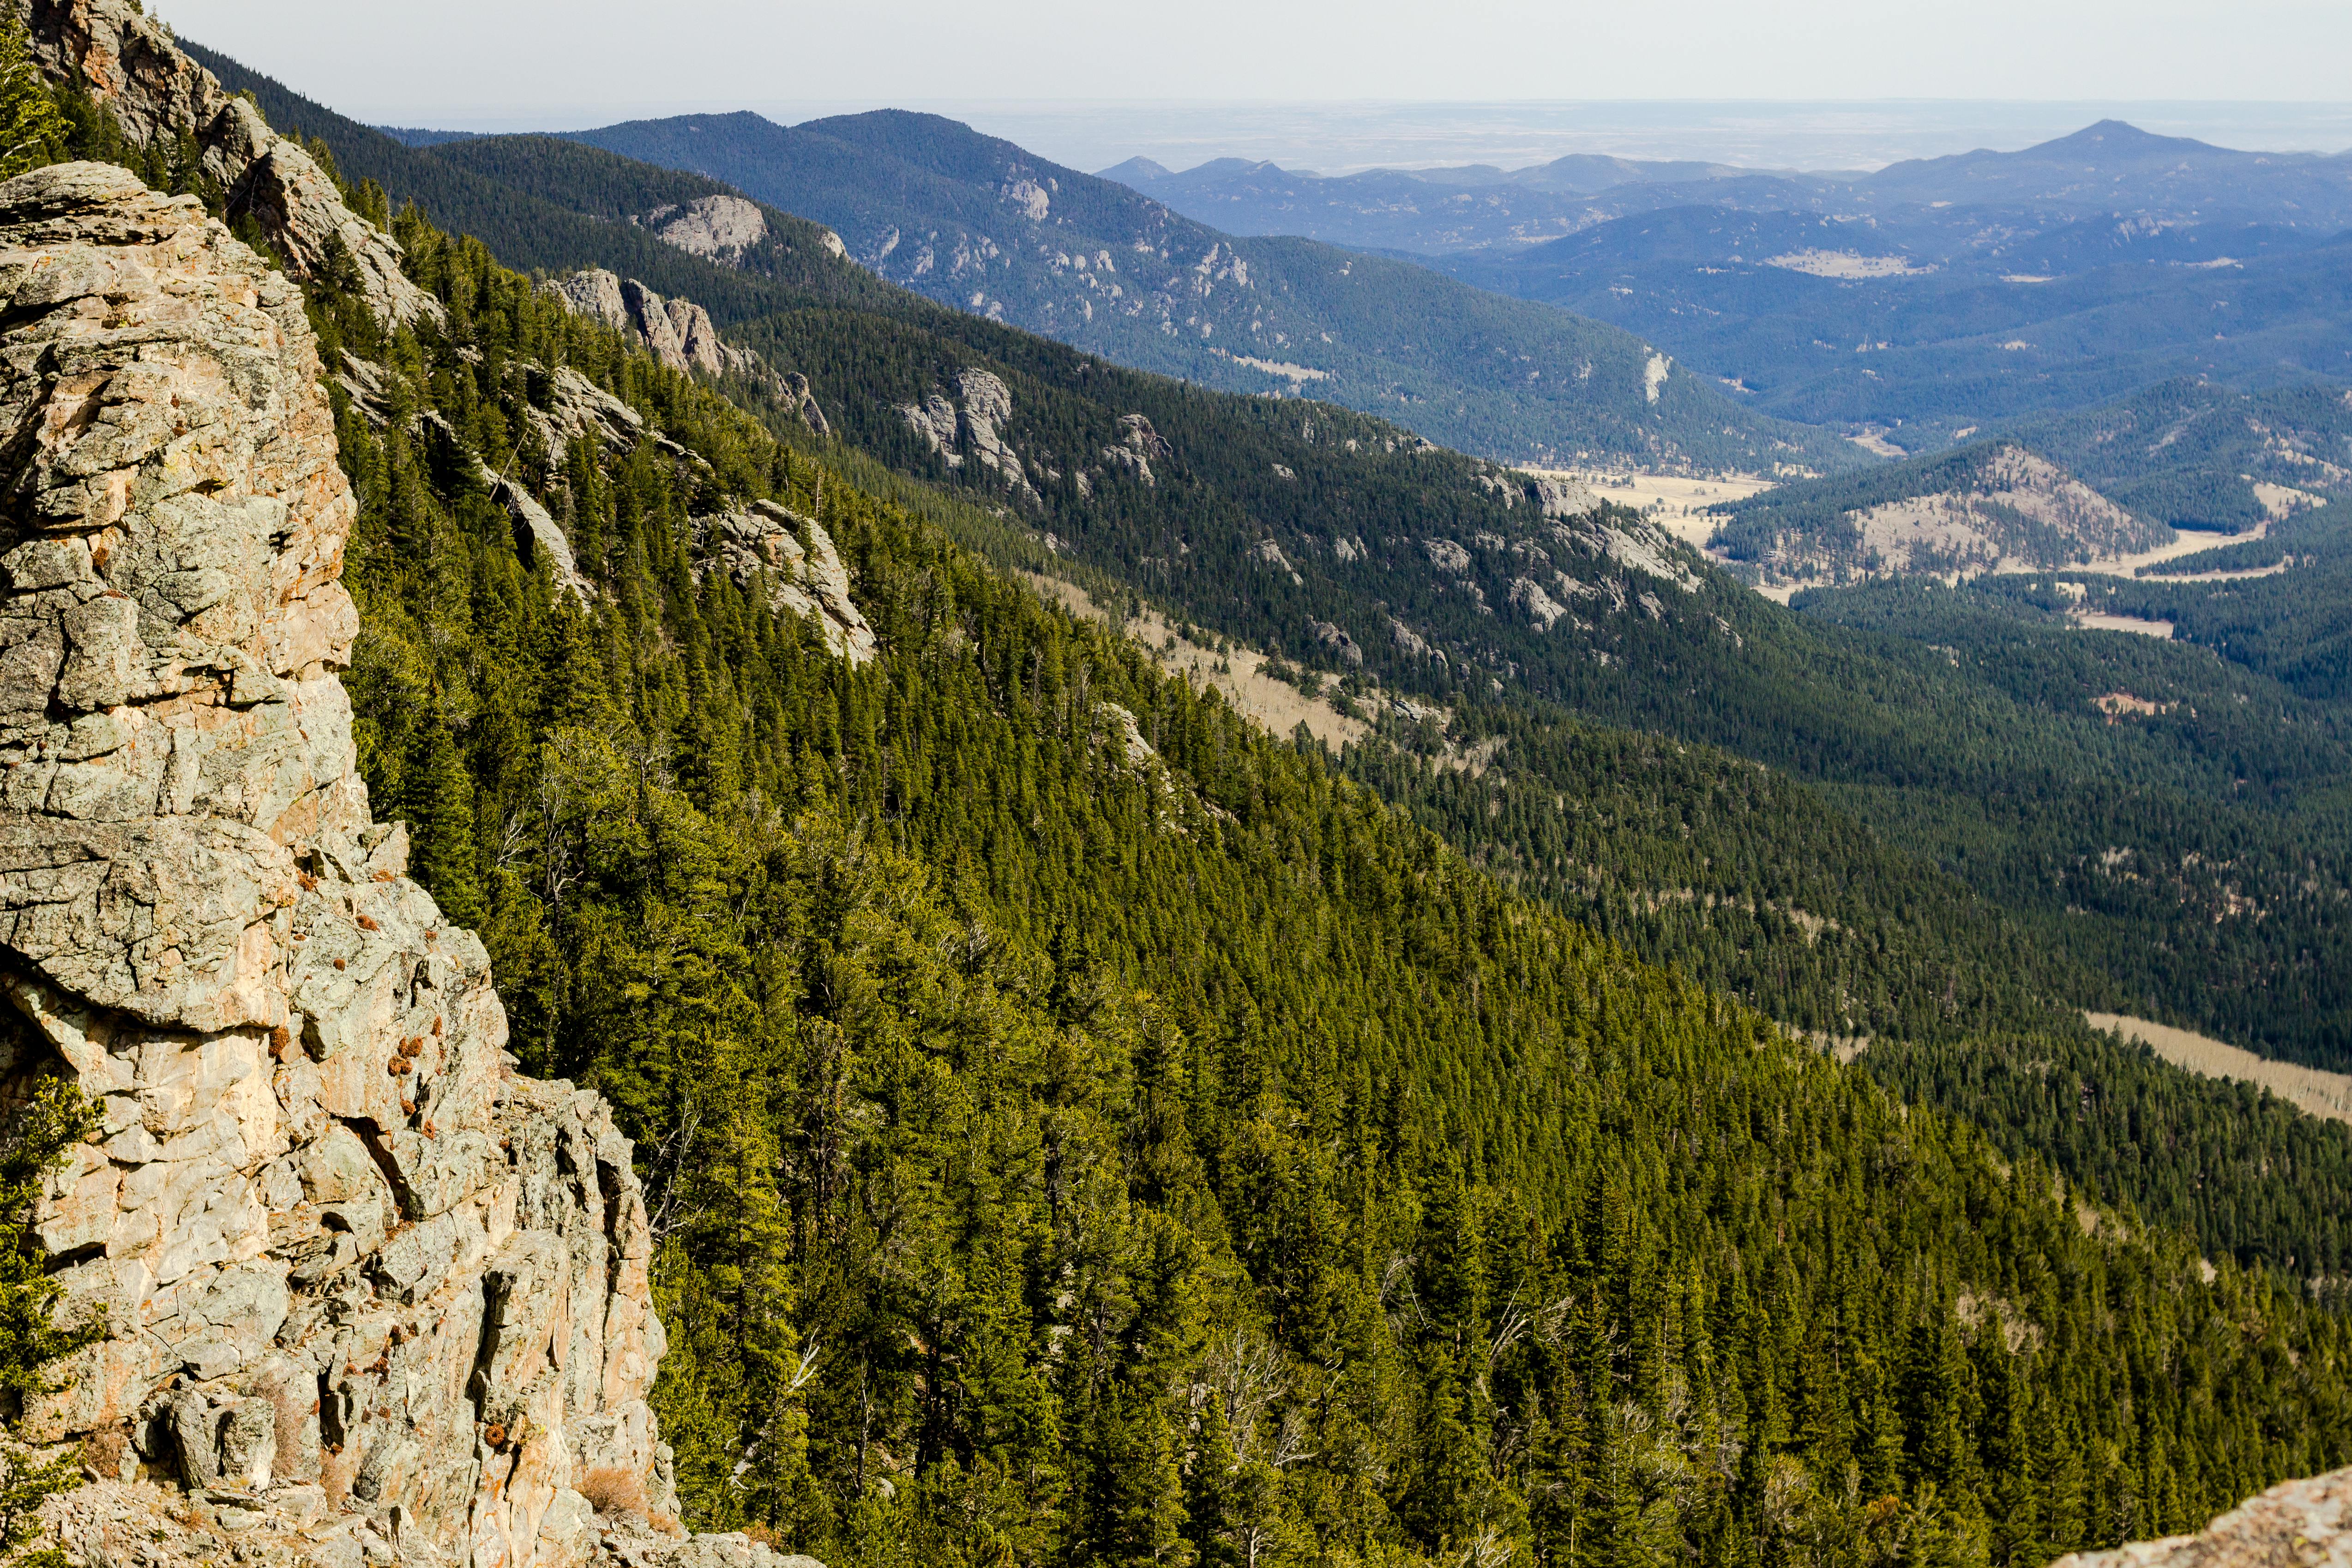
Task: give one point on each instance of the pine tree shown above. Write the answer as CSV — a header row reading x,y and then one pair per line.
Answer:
x,y
57,1117
439,806
32,131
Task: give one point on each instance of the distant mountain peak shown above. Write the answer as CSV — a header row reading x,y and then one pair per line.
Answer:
x,y
2113,136
1134,169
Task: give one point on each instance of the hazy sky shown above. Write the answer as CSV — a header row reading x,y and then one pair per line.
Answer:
x,y
502,63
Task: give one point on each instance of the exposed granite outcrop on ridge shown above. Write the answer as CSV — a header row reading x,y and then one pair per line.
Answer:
x,y
973,424
2299,1524
678,331
127,61
717,228
369,1292
802,579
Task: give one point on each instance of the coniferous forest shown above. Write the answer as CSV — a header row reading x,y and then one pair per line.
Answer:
x,y
1074,1161
1214,1152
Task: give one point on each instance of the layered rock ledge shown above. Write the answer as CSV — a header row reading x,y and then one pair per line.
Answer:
x,y
369,1292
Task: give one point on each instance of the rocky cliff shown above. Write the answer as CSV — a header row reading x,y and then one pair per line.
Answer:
x,y
369,1293
678,332
128,62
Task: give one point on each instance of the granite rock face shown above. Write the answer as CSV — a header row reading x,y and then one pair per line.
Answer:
x,y
2300,1524
366,1287
677,331
972,425
718,228
129,62
803,580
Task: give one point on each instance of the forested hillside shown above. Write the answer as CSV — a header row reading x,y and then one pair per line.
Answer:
x,y
1080,1127
1289,526
981,224
1982,506
1147,1146
2199,456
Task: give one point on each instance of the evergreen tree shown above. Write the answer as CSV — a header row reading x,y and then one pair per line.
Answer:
x,y
36,1146
32,129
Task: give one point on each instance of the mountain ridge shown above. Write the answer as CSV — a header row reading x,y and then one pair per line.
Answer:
x,y
939,208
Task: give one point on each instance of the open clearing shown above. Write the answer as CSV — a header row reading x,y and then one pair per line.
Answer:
x,y
2093,621
2328,1094
1241,674
2188,543
1675,502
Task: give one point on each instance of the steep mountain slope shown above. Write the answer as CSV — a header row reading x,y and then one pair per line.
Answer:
x,y
981,224
1091,1073
1990,505
1078,1127
1326,534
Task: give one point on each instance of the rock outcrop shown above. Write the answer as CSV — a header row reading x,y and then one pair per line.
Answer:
x,y
2300,1523
717,228
1555,496
367,1290
128,62
678,331
798,394
972,425
803,580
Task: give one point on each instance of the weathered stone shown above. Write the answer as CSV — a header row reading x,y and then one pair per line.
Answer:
x,y
797,393
1555,497
318,1178
2301,1524
1137,446
539,539
720,228
972,426
808,579
678,332
128,63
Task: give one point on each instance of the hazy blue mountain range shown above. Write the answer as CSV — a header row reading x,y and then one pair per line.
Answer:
x,y
1926,300
2103,171
1911,324
1434,211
